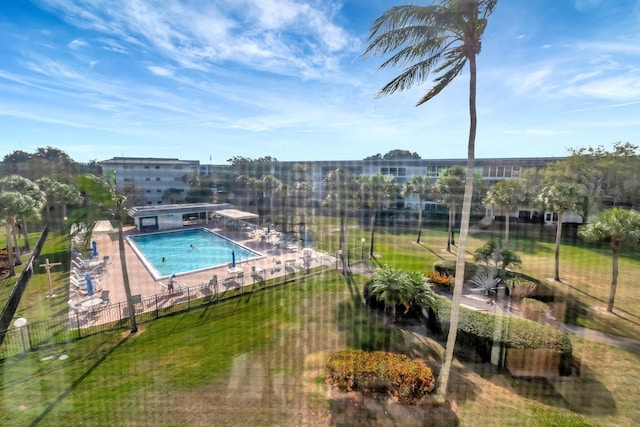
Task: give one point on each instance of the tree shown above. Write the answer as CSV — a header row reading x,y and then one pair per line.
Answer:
x,y
375,192
340,187
508,196
442,37
28,206
561,198
396,154
420,186
392,287
101,192
450,187
60,195
621,227
12,204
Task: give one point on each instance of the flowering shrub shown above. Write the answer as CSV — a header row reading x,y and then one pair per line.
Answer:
x,y
442,280
380,372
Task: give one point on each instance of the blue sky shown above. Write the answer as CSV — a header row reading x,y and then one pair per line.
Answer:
x,y
200,80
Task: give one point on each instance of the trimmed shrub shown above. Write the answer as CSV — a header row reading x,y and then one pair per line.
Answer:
x,y
477,332
449,268
380,372
441,280
533,309
521,287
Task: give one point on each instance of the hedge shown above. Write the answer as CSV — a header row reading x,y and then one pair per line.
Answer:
x,y
515,332
449,268
380,372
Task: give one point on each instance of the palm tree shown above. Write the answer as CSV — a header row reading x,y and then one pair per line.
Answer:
x,y
442,37
420,186
561,198
101,191
621,226
508,196
392,287
340,187
450,188
376,192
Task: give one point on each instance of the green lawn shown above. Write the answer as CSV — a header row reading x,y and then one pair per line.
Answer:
x,y
259,359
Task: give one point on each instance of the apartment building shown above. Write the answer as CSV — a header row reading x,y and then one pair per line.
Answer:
x,y
154,176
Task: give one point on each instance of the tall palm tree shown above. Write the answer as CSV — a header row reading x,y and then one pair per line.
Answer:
x,y
420,186
561,198
508,196
620,226
101,191
375,192
340,187
450,188
442,36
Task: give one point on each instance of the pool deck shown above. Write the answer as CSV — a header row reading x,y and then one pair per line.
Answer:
x,y
142,283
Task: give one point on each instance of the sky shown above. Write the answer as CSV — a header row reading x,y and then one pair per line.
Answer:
x,y
211,79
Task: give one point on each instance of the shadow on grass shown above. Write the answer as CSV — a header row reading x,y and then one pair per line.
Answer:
x,y
580,393
368,331
77,382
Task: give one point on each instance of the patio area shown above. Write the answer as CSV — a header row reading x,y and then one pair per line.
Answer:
x,y
281,258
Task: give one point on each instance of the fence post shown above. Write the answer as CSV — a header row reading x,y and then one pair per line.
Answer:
x,y
78,323
188,297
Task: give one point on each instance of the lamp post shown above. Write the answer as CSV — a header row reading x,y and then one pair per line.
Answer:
x,y
20,323
362,250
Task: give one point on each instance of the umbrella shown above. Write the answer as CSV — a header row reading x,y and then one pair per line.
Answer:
x,y
233,259
95,248
87,279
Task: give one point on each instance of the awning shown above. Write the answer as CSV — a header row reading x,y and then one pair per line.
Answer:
x,y
236,214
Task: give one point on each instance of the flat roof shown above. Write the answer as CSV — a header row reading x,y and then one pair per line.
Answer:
x,y
185,208
236,214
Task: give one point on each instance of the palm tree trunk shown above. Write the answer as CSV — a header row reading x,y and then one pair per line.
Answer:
x,y
449,231
7,229
25,235
614,274
556,276
506,228
341,244
419,218
16,246
443,380
125,277
372,224
453,226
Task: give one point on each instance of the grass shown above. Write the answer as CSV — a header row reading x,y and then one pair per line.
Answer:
x,y
259,359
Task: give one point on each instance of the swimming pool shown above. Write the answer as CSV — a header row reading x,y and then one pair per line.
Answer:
x,y
187,251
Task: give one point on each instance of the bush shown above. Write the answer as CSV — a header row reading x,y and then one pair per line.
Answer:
x,y
533,309
442,280
521,287
380,372
449,268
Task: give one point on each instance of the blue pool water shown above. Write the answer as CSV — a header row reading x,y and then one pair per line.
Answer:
x,y
187,251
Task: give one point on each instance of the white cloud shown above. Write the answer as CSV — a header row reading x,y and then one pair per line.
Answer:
x,y
77,43
160,71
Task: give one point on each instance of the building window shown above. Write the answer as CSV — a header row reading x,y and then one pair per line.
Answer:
x,y
127,167
146,166
158,179
500,171
177,167
157,167
516,172
485,171
158,191
128,180
147,179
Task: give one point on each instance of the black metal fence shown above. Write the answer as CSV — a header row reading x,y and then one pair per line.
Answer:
x,y
90,321
13,301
